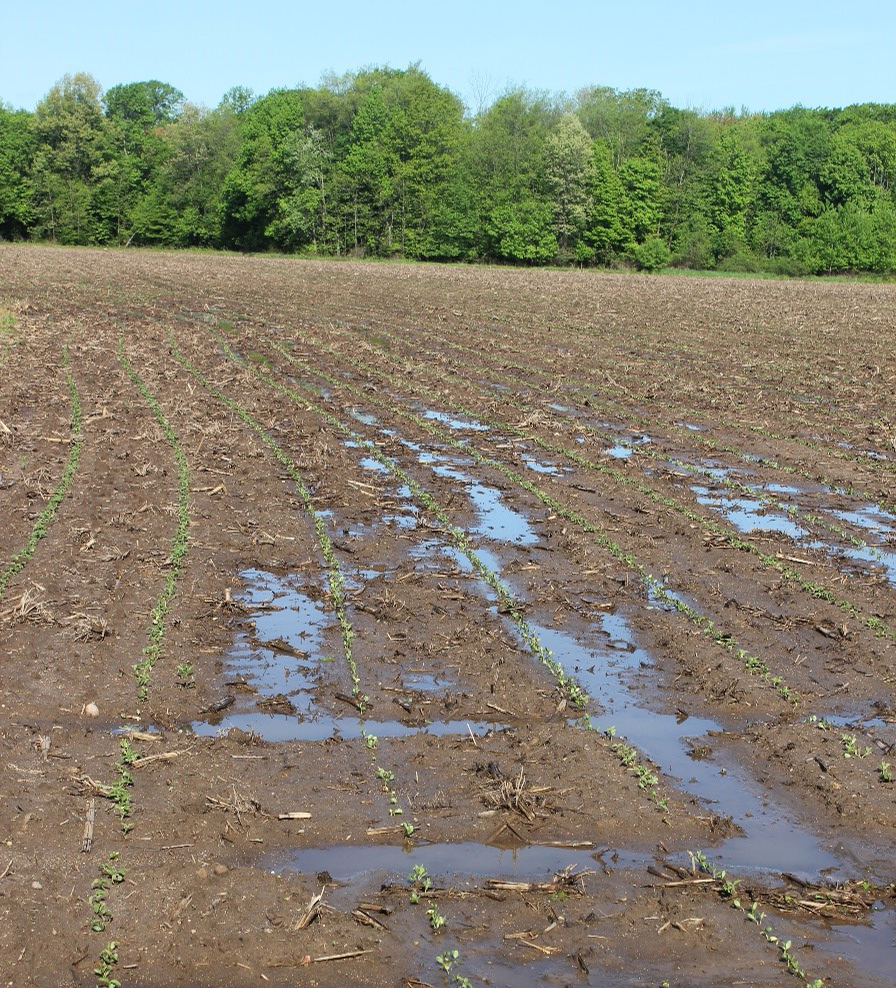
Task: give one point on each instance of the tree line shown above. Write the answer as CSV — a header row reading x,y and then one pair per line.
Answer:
x,y
385,162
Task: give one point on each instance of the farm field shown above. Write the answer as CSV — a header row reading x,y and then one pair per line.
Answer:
x,y
414,625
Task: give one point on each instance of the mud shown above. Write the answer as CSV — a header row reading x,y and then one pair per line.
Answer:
x,y
469,639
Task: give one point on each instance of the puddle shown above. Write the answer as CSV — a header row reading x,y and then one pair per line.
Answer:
x,y
692,426
348,863
407,521
286,727
875,559
872,454
497,520
626,447
872,945
460,424
365,418
872,727
748,515
548,468
871,518
282,655
663,604
772,839
425,682
620,452
371,463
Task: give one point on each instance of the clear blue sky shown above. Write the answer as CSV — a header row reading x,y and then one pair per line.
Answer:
x,y
762,55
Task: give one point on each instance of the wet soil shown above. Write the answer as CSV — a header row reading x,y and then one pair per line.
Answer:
x,y
516,608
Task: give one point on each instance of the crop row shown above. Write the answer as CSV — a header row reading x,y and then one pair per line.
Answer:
x,y
654,586
573,389
46,516
461,541
814,588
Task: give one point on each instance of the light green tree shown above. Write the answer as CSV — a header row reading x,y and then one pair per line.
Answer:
x,y
569,173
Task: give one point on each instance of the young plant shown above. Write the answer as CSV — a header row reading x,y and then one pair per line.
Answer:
x,y
436,919
420,882
851,747
105,969
447,960
184,674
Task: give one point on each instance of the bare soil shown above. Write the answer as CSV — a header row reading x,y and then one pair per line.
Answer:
x,y
404,485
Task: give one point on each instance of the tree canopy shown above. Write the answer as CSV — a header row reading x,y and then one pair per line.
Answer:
x,y
386,162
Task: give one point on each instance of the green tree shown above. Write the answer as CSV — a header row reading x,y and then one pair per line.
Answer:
x,y
259,179
569,168
605,232
508,172
68,127
621,118
16,153
186,208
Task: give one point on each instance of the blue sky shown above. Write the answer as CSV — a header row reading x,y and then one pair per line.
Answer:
x,y
761,55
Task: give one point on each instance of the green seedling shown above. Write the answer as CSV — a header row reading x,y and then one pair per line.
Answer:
x,y
420,882
184,673
447,960
436,919
128,753
42,525
179,545
105,969
110,874
885,770
851,747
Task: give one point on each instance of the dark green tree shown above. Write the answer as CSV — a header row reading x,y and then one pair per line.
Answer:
x,y
17,148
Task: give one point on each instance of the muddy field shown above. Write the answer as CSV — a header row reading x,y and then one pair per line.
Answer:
x,y
417,626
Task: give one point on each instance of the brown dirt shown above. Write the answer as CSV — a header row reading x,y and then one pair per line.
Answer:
x,y
791,389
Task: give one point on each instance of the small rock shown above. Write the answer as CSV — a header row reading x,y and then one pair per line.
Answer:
x,y
221,869
36,885
92,710
202,873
